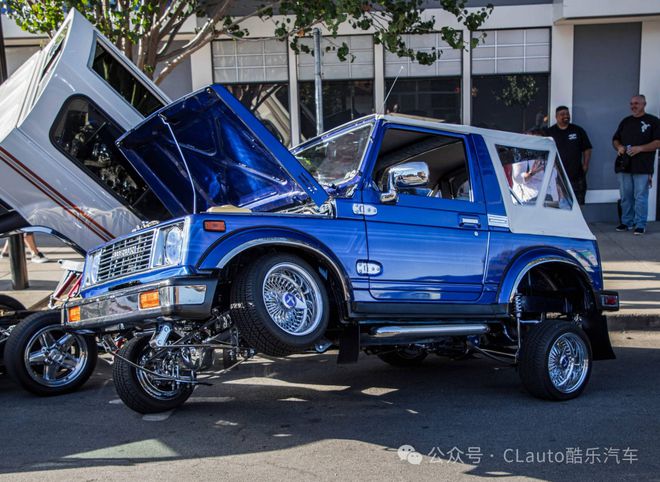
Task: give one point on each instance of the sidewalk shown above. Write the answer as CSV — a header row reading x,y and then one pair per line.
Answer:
x,y
631,265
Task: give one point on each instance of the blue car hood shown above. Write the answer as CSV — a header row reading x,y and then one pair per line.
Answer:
x,y
232,158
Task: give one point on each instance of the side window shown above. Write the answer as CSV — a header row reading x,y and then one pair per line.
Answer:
x,y
124,82
449,177
87,135
557,195
524,170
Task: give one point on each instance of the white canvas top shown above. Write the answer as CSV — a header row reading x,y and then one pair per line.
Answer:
x,y
523,219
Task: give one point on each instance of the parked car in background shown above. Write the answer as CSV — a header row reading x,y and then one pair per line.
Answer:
x,y
61,173
394,235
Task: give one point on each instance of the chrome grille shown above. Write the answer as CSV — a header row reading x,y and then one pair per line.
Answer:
x,y
125,257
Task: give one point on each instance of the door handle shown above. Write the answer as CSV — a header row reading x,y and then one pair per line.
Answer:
x,y
469,221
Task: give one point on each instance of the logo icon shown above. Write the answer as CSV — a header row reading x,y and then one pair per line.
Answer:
x,y
645,126
408,452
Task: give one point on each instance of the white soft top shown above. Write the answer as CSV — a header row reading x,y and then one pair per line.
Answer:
x,y
524,219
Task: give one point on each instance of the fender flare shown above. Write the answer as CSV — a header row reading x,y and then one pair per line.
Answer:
x,y
528,260
223,251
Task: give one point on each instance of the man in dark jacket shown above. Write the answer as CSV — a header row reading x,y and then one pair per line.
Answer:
x,y
574,149
635,141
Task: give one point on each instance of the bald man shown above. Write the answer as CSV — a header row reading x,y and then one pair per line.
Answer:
x,y
635,141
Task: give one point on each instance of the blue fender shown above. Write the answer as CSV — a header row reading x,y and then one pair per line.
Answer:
x,y
529,259
225,249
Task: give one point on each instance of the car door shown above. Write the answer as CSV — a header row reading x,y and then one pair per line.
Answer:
x,y
430,244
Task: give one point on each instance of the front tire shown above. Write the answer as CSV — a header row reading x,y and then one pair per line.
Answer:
x,y
280,305
555,360
141,391
46,360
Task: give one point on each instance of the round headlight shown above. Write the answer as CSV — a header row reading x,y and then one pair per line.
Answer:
x,y
173,245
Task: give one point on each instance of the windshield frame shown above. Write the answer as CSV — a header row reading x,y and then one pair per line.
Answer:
x,y
332,135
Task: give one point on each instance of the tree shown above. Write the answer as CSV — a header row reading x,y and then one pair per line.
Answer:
x,y
145,30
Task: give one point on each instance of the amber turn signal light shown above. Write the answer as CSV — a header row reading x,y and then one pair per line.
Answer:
x,y
149,299
74,314
218,226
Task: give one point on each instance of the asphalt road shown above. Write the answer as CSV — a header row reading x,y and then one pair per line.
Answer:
x,y
307,418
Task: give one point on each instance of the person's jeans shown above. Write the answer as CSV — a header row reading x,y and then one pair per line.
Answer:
x,y
634,191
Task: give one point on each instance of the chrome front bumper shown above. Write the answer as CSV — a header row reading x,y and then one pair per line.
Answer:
x,y
179,298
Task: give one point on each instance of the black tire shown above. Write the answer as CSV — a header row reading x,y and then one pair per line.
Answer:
x,y
46,376
536,360
130,385
406,357
7,303
253,319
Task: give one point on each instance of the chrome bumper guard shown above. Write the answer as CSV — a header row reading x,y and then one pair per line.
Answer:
x,y
179,298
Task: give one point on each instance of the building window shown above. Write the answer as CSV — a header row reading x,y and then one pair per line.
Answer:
x,y
510,80
425,90
256,73
515,103
439,98
16,56
512,52
348,86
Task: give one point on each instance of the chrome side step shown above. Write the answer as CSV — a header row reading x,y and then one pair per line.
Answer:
x,y
423,331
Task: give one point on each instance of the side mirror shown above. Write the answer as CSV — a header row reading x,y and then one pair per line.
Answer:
x,y
408,174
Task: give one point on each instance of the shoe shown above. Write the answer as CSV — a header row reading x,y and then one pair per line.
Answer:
x,y
622,227
40,258
639,231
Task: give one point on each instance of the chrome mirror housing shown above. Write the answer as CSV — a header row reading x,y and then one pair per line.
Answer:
x,y
408,174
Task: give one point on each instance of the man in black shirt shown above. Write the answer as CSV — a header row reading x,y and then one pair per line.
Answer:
x,y
574,149
635,141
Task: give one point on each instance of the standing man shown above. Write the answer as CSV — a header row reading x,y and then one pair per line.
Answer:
x,y
574,149
636,141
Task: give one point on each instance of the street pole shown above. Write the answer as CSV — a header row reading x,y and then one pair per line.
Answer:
x,y
318,87
17,265
3,59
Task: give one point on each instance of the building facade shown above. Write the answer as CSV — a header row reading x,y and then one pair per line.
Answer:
x,y
534,55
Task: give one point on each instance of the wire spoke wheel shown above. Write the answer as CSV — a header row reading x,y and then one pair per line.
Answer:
x,y
292,299
568,363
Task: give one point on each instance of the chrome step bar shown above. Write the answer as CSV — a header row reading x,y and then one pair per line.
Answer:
x,y
417,331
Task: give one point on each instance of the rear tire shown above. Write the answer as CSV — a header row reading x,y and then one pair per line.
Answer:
x,y
46,360
555,360
280,305
138,389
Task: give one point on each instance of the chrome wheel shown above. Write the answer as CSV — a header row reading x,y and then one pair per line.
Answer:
x,y
292,299
55,358
159,388
568,363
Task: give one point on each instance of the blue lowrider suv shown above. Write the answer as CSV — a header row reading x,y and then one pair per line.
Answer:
x,y
393,235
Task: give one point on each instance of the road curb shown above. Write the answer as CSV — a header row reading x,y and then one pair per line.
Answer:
x,y
633,322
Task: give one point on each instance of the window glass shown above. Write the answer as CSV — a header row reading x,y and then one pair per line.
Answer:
x,y
449,177
525,170
343,101
336,159
558,196
124,82
88,136
512,51
515,103
439,98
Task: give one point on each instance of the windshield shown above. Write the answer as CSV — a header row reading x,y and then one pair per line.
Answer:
x,y
335,159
